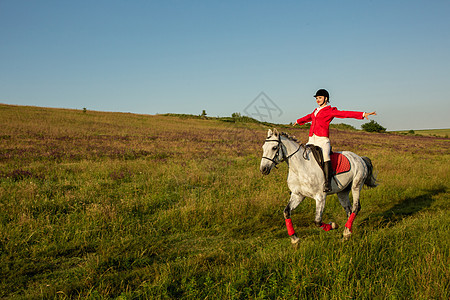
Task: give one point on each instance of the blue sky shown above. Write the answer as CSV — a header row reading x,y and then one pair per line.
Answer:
x,y
154,57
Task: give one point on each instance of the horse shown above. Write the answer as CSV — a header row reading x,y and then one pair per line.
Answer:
x,y
306,179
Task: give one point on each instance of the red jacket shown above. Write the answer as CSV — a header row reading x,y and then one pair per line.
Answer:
x,y
321,122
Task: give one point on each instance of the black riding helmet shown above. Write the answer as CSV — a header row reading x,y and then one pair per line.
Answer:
x,y
323,92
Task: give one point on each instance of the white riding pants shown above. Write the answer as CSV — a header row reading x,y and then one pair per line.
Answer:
x,y
324,143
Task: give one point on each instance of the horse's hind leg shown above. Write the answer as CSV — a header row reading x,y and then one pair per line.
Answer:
x,y
345,201
293,203
355,209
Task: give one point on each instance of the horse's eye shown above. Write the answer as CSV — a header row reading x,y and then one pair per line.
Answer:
x,y
274,148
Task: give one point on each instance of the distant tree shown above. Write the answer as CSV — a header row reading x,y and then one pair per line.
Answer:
x,y
411,131
343,126
373,126
236,115
203,115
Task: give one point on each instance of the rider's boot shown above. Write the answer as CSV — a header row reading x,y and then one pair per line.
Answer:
x,y
328,172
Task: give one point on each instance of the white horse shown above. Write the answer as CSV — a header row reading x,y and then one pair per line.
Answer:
x,y
306,179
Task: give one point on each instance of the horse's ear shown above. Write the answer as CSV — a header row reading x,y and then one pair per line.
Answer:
x,y
275,132
269,133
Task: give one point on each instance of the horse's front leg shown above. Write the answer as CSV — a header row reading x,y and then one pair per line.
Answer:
x,y
295,200
320,205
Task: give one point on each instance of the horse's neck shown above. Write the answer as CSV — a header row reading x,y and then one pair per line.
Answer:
x,y
290,146
297,161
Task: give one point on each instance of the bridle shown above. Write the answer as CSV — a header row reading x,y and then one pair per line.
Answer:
x,y
277,153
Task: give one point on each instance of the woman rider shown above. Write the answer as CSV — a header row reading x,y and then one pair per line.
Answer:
x,y
319,133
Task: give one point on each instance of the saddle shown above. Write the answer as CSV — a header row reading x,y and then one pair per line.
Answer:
x,y
340,163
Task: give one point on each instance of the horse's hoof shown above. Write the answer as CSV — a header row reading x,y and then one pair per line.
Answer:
x,y
347,234
334,225
294,239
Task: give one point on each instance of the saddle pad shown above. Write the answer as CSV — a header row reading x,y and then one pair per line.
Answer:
x,y
339,162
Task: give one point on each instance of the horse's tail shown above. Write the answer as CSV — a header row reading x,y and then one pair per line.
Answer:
x,y
371,179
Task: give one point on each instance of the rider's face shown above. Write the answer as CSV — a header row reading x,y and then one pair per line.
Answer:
x,y
320,100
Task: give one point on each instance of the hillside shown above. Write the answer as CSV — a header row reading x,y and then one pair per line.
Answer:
x,y
104,205
427,132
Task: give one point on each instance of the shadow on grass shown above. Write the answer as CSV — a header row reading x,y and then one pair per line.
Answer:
x,y
405,208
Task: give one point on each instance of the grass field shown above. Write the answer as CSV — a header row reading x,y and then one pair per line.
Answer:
x,y
428,132
112,205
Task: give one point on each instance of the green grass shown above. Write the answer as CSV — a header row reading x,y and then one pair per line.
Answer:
x,y
109,205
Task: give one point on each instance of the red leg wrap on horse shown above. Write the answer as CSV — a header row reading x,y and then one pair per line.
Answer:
x,y
326,227
350,221
289,226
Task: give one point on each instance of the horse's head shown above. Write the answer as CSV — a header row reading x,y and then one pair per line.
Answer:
x,y
272,152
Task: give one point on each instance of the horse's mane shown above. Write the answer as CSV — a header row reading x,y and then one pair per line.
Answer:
x,y
290,137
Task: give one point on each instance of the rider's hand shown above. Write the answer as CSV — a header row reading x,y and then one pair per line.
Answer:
x,y
366,115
